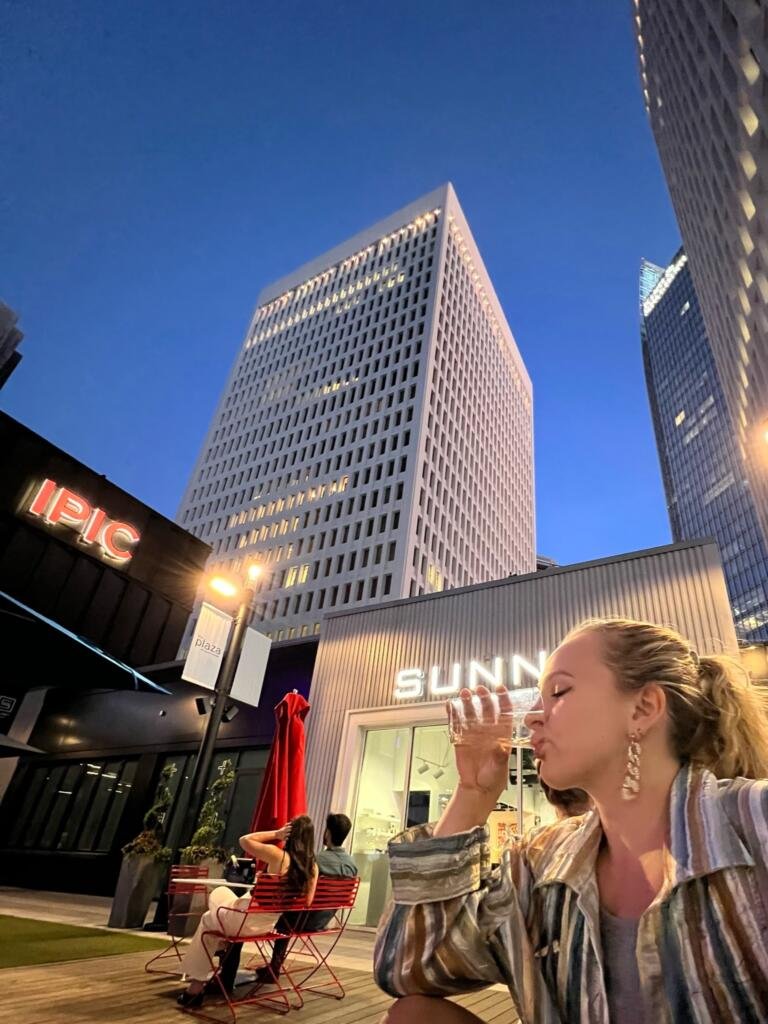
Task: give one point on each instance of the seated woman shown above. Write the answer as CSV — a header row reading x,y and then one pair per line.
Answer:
x,y
296,863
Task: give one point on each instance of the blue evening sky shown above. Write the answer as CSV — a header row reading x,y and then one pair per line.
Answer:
x,y
163,161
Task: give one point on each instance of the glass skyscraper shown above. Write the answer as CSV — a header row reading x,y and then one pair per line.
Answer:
x,y
703,474
704,72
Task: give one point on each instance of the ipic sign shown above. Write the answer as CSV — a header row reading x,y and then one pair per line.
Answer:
x,y
410,682
57,505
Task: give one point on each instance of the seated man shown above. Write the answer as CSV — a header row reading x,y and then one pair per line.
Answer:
x,y
333,862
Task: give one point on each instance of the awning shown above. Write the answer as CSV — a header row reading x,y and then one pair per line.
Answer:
x,y
36,651
14,748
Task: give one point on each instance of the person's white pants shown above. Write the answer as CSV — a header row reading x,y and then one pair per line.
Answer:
x,y
195,963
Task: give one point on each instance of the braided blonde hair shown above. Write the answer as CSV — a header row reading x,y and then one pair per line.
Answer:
x,y
718,718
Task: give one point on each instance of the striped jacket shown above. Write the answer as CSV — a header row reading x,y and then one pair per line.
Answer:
x,y
533,923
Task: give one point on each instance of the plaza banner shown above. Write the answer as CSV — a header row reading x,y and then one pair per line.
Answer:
x,y
251,667
206,651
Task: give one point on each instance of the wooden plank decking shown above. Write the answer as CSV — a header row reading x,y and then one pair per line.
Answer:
x,y
115,990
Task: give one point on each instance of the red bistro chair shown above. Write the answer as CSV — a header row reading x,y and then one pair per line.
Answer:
x,y
270,896
181,891
339,895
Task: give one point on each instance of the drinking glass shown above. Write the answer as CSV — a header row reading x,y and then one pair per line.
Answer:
x,y
506,724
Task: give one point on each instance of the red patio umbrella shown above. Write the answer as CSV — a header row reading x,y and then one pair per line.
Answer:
x,y
283,792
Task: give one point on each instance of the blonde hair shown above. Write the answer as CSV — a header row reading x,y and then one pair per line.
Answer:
x,y
717,717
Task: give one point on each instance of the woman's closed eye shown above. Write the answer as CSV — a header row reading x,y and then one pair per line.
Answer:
x,y
562,692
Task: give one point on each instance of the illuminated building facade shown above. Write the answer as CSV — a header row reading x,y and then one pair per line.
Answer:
x,y
707,495
374,439
704,74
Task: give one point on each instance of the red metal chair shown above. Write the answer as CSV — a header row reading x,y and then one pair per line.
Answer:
x,y
272,897
339,895
181,892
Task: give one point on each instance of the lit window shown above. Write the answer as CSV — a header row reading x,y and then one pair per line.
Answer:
x,y
680,417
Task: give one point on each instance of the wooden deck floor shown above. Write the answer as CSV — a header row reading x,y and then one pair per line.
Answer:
x,y
115,990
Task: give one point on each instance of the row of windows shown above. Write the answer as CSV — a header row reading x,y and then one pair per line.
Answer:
x,y
222,499
351,269
369,588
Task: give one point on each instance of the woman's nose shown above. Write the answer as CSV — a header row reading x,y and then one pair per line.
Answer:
x,y
535,716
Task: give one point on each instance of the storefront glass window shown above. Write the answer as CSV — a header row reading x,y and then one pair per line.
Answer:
x,y
120,794
433,775
52,784
76,805
100,804
407,778
382,801
244,796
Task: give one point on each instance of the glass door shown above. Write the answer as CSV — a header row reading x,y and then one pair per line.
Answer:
x,y
382,799
407,777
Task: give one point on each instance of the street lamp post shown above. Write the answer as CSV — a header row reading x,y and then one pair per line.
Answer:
x,y
221,691
192,796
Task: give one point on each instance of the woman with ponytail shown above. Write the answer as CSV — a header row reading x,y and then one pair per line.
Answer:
x,y
652,908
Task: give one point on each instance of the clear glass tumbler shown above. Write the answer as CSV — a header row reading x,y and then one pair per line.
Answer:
x,y
502,719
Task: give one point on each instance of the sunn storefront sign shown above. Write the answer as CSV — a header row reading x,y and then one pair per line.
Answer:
x,y
59,506
510,672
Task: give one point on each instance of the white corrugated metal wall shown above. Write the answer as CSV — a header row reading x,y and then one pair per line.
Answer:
x,y
360,653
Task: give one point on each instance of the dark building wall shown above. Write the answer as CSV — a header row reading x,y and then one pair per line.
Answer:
x,y
107,751
135,610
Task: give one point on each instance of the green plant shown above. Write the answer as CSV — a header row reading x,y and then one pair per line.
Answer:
x,y
149,842
205,843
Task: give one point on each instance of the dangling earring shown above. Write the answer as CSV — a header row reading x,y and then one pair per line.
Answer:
x,y
631,785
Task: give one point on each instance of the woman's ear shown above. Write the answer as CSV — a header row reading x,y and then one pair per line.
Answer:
x,y
650,707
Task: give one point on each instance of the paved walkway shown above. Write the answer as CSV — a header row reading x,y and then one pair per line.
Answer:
x,y
115,989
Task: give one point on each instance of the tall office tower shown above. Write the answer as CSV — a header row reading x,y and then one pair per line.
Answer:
x,y
704,70
703,472
374,439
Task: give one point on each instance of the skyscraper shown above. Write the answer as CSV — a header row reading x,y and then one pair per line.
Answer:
x,y
702,470
374,439
704,71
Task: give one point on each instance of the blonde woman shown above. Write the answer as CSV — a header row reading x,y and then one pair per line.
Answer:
x,y
652,907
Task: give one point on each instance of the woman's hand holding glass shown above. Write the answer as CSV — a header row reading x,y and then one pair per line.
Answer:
x,y
482,728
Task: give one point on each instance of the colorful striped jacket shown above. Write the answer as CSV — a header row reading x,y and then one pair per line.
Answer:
x,y
533,923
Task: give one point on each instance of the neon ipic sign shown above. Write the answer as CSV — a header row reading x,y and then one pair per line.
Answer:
x,y
59,506
411,682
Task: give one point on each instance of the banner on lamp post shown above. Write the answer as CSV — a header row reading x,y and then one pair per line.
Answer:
x,y
251,667
206,651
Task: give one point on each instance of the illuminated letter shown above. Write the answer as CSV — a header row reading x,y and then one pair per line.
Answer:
x,y
438,689
43,496
92,527
520,665
69,508
409,682
478,672
111,536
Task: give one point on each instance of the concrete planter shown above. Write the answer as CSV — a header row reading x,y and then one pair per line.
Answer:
x,y
136,887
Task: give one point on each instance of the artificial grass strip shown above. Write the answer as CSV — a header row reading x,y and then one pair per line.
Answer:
x,y
26,942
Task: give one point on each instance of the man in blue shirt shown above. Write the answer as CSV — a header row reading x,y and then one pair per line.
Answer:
x,y
332,861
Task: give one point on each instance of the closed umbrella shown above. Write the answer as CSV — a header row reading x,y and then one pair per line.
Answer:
x,y
284,792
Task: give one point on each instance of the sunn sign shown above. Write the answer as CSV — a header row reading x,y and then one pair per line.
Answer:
x,y
58,505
